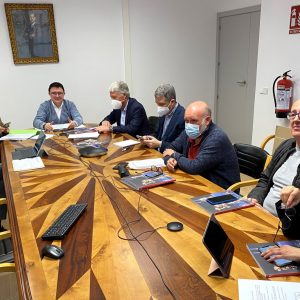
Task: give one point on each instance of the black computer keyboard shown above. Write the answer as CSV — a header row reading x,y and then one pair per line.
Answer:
x,y
64,222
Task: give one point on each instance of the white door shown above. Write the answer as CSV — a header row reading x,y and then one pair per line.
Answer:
x,y
238,44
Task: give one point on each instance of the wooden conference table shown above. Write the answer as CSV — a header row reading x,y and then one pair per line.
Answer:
x,y
99,265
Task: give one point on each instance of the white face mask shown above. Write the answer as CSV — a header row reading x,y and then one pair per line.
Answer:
x,y
162,110
116,104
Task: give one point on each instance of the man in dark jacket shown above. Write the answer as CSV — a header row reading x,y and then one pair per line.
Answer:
x,y
3,208
203,148
171,117
281,179
128,113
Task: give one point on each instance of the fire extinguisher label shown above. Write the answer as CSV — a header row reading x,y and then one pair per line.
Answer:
x,y
283,97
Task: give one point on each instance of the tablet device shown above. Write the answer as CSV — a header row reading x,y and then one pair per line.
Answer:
x,y
219,246
221,199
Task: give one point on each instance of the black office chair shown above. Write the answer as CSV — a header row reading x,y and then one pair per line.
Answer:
x,y
153,124
252,161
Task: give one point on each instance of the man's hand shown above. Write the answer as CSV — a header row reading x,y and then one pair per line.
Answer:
x,y
106,124
48,126
72,124
150,141
290,196
103,128
287,252
171,164
168,152
4,129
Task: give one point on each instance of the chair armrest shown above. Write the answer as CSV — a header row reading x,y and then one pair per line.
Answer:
x,y
240,184
3,201
5,234
7,267
266,140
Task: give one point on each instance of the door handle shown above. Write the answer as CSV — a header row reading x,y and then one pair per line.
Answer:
x,y
241,82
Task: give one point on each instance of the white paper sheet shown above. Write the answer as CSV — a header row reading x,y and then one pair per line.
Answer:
x,y
268,290
28,164
22,137
86,135
146,163
60,126
126,143
64,126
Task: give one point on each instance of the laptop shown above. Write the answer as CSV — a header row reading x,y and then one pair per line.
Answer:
x,y
28,152
219,246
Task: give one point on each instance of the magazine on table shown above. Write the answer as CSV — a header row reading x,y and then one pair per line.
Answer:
x,y
280,267
221,202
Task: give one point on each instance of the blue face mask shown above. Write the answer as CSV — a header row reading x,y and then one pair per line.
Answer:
x,y
192,130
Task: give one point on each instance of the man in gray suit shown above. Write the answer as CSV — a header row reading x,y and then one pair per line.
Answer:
x,y
57,110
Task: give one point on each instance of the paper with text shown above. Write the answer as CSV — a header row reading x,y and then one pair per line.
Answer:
x,y
28,164
268,290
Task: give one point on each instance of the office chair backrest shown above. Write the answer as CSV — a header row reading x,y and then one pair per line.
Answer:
x,y
153,124
251,159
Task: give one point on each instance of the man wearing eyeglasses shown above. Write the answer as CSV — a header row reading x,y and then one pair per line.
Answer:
x,y
281,179
57,110
203,148
171,117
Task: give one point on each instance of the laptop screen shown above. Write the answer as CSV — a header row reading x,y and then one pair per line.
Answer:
x,y
39,142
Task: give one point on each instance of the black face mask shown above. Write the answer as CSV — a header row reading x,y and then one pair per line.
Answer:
x,y
290,220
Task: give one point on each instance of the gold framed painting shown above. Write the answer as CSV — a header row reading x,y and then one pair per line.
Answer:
x,y
32,33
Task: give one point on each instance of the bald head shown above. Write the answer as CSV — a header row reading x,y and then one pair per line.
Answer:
x,y
196,112
296,105
295,121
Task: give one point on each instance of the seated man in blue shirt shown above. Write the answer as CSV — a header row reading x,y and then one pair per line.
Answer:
x,y
57,110
171,117
203,148
128,113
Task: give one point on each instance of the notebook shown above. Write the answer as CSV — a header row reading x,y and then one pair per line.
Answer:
x,y
28,152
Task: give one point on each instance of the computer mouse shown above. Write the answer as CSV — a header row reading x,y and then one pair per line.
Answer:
x,y
91,151
53,251
174,226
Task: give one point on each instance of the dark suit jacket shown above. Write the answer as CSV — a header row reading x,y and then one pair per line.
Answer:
x,y
175,127
136,121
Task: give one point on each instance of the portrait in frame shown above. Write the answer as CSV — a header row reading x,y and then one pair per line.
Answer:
x,y
32,33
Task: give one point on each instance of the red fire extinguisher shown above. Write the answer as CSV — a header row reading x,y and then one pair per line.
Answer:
x,y
283,97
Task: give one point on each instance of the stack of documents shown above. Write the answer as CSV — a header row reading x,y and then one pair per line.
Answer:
x,y
28,164
146,163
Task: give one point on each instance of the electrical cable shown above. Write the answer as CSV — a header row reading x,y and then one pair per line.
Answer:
x,y
127,224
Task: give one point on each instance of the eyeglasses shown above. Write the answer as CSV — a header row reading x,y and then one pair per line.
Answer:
x,y
56,93
292,115
285,223
157,169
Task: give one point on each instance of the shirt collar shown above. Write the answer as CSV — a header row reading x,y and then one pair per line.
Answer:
x,y
125,108
172,112
55,107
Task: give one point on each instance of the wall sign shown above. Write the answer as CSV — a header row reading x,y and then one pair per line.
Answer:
x,y
295,20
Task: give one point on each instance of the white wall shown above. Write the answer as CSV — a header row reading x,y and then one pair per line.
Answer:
x,y
174,41
90,45
278,52
170,41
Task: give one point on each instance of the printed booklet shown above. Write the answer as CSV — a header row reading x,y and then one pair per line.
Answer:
x,y
221,202
280,267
